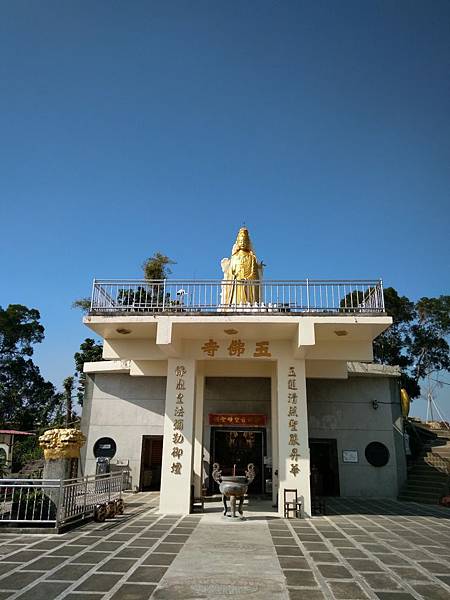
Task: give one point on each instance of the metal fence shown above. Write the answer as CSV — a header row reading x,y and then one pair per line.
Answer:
x,y
56,502
213,296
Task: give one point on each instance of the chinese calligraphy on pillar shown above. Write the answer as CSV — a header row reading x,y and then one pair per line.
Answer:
x,y
292,416
178,421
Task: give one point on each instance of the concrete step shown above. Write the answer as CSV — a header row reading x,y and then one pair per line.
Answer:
x,y
434,450
420,493
418,499
420,489
427,479
427,455
436,466
435,474
439,451
424,483
428,472
427,468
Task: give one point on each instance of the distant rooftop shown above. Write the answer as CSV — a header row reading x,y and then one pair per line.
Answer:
x,y
15,432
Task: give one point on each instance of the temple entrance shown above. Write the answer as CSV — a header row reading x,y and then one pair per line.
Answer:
x,y
151,460
239,447
324,467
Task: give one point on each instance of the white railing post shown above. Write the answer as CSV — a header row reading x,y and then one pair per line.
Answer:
x,y
60,502
92,295
307,294
85,495
164,294
382,295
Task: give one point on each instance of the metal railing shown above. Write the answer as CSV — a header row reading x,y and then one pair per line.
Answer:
x,y
185,296
54,501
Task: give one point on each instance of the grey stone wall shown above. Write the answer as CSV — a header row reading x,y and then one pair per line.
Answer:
x,y
343,410
124,408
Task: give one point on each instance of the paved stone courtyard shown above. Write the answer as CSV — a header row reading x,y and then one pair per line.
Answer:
x,y
362,549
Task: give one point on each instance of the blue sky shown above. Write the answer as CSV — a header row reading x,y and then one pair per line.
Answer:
x,y
132,127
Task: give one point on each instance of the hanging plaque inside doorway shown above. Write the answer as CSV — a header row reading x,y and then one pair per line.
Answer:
x,y
231,420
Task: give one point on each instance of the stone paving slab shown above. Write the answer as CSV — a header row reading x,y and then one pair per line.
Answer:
x,y
379,549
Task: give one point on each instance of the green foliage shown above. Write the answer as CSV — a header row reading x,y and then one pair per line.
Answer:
x,y
158,266
416,341
390,347
27,400
26,449
19,329
141,296
83,303
32,505
4,471
428,345
90,351
68,385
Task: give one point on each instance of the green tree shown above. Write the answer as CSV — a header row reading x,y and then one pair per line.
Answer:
x,y
416,341
83,303
158,266
68,386
19,330
27,400
90,351
156,269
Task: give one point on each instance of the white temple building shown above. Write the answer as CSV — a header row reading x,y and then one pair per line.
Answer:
x,y
240,370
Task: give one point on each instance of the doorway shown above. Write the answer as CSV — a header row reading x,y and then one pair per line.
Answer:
x,y
239,447
151,461
324,467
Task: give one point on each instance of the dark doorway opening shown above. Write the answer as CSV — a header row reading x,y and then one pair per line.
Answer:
x,y
238,447
151,461
324,467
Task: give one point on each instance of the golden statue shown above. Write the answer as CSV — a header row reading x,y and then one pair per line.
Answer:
x,y
242,268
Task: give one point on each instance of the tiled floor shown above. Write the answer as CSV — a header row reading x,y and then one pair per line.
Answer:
x,y
382,550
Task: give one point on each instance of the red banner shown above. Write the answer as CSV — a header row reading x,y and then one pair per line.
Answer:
x,y
231,420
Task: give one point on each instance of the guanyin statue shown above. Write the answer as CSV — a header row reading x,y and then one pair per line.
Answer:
x,y
240,270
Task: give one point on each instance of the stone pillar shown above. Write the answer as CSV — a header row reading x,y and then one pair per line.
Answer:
x,y
293,444
178,444
274,428
198,433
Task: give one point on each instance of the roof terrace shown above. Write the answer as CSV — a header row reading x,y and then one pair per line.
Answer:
x,y
221,297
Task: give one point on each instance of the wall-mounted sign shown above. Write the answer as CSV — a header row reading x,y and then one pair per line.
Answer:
x,y
231,420
350,456
105,448
377,454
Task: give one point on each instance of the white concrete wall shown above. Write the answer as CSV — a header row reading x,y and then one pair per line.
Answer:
x,y
342,410
124,408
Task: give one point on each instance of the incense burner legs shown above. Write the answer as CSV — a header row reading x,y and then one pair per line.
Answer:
x,y
233,488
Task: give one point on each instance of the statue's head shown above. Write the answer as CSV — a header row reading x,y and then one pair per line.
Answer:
x,y
243,239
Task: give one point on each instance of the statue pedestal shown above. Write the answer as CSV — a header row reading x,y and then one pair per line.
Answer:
x,y
59,468
61,452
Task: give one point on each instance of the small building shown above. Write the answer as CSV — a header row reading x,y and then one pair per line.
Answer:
x,y
243,370
7,444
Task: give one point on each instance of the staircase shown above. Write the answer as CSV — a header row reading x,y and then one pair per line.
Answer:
x,y
429,474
